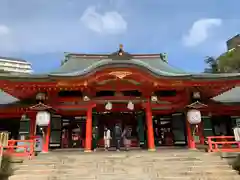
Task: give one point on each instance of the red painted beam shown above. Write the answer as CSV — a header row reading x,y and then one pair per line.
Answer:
x,y
136,73
119,87
12,115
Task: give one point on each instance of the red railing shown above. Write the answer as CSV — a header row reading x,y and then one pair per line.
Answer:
x,y
14,149
223,144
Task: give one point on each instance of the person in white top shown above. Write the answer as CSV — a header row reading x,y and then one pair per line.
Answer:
x,y
236,132
107,137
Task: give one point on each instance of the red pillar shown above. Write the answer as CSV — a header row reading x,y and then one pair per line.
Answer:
x,y
191,142
88,140
149,122
46,138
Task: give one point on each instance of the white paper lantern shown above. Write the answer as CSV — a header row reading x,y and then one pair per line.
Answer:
x,y
108,106
196,95
23,117
43,118
194,116
154,98
86,98
130,105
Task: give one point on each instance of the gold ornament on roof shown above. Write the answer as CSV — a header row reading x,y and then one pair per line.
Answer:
x,y
120,52
120,74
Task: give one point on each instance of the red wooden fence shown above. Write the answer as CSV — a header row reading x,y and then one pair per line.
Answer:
x,y
223,144
20,150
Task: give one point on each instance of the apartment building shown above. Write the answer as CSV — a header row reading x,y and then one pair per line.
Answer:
x,y
233,43
14,65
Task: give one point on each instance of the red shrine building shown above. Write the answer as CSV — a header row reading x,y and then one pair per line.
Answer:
x,y
91,91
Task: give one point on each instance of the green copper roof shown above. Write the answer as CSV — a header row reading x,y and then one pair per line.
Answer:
x,y
6,98
231,96
80,66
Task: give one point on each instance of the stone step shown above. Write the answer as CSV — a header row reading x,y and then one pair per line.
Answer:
x,y
98,164
120,158
188,165
52,177
161,172
123,154
175,168
121,177
145,153
104,158
119,154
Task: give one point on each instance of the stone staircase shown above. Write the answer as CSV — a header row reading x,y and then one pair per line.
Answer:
x,y
132,165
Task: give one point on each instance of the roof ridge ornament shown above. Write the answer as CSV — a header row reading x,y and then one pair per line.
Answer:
x,y
163,57
120,54
120,51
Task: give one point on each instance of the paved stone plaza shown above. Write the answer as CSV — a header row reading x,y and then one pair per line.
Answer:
x,y
132,165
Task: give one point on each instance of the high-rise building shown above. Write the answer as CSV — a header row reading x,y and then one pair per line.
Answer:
x,y
14,65
233,43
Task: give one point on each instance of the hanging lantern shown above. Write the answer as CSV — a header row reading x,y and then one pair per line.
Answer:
x,y
154,98
130,105
86,98
23,117
108,106
41,96
43,118
196,95
194,116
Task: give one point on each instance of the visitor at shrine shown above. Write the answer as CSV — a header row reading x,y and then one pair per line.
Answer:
x,y
127,134
118,136
107,138
95,138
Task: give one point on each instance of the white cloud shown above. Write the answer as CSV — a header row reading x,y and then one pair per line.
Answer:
x,y
199,31
108,23
4,30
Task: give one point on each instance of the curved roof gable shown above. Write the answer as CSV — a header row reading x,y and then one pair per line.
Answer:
x,y
7,98
78,64
231,96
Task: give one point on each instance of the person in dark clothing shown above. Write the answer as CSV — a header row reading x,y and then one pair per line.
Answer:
x,y
95,138
118,136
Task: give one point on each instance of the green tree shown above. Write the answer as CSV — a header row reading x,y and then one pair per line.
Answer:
x,y
229,62
212,65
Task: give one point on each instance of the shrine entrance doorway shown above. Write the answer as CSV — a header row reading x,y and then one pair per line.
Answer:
x,y
71,132
169,130
110,119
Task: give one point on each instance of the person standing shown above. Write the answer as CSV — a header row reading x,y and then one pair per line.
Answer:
x,y
118,136
127,134
107,137
95,138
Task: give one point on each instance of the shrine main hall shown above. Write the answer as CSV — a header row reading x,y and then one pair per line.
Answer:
x,y
91,91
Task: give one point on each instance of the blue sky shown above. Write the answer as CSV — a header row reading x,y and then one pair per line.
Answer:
x,y
41,30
